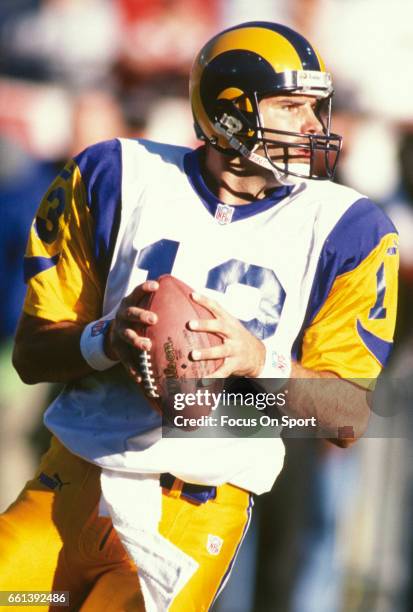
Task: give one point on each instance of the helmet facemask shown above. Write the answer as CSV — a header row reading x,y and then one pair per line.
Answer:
x,y
246,133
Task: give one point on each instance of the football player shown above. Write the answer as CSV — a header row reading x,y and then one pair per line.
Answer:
x,y
299,272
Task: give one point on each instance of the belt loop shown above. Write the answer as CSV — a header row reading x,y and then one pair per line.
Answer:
x,y
175,490
177,487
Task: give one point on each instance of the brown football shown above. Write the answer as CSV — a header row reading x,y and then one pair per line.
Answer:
x,y
167,368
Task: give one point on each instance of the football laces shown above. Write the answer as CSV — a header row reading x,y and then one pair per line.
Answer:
x,y
148,380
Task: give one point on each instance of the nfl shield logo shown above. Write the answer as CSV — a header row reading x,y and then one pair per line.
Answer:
x,y
99,328
223,214
214,544
280,362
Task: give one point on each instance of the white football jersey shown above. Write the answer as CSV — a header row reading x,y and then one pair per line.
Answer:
x,y
130,210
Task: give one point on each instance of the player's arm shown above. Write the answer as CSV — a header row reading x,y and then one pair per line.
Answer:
x,y
64,274
340,407
350,324
49,351
63,287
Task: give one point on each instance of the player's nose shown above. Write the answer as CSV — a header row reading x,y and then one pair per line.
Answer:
x,y
311,124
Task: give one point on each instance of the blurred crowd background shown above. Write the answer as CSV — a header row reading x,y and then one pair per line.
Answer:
x,y
335,534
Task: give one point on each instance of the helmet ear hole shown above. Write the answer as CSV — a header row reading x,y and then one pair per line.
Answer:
x,y
227,112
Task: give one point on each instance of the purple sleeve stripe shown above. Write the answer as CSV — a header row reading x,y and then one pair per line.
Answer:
x,y
34,265
357,233
101,170
380,348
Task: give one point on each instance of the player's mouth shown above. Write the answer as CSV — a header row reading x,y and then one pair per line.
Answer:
x,y
294,155
298,151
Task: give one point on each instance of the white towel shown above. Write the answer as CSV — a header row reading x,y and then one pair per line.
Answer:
x,y
134,503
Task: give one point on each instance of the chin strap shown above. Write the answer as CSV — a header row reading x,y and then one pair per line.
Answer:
x,y
226,127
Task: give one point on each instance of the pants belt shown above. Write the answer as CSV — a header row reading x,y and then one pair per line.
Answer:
x,y
193,492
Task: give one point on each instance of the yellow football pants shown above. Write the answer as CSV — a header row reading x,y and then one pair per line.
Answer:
x,y
52,539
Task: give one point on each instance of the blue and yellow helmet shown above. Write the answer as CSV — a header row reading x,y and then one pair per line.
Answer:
x,y
240,66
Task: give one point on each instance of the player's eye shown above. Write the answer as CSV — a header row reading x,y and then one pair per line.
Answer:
x,y
290,106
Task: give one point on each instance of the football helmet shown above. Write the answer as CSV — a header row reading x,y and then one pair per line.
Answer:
x,y
242,65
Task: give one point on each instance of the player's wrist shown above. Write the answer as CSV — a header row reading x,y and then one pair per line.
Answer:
x,y
95,349
276,369
277,364
108,343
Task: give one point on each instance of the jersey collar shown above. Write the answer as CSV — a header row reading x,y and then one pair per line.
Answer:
x,y
215,207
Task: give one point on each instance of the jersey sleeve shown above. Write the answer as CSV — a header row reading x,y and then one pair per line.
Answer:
x,y
353,305
71,239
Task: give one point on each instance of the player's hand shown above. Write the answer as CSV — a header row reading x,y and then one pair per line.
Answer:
x,y
243,353
125,330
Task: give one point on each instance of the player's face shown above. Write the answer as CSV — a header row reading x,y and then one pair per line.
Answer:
x,y
290,113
